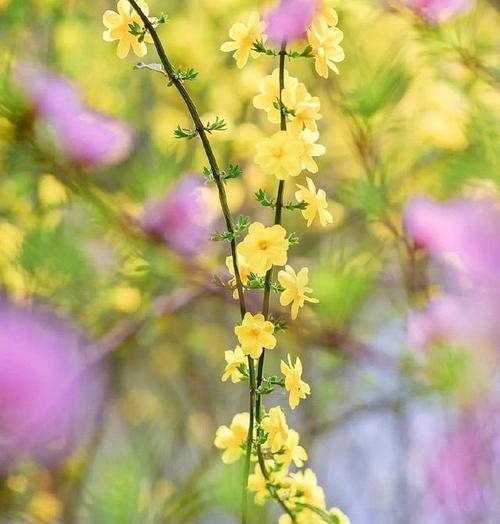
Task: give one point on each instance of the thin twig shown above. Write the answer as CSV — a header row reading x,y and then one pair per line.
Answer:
x,y
267,291
201,130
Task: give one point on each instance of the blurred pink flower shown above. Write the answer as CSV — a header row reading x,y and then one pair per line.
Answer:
x,y
464,234
439,11
464,472
464,228
467,319
290,19
47,401
85,137
93,140
50,95
182,219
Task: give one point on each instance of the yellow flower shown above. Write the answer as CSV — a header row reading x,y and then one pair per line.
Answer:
x,y
294,96
316,203
292,452
311,150
325,43
232,438
269,94
243,37
51,192
305,107
274,424
341,517
45,507
235,359
295,285
280,155
254,334
117,24
293,382
258,484
244,269
306,483
264,247
325,12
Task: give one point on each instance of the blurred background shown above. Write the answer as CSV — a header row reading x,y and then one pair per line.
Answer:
x,y
102,253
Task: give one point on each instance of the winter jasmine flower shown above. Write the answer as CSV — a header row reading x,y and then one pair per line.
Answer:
x,y
316,203
325,43
280,155
254,334
118,28
235,360
294,384
243,36
264,247
232,438
274,424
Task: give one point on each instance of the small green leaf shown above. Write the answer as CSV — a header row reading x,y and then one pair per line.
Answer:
x,y
292,206
279,325
233,171
259,47
264,200
255,281
218,125
293,239
185,133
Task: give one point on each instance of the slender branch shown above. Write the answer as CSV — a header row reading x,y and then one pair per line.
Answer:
x,y
274,494
277,220
201,130
249,442
322,513
267,293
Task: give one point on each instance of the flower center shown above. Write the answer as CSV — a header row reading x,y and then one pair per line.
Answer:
x,y
249,38
254,332
278,152
263,245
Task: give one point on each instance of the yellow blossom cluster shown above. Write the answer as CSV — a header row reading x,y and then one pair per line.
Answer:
x,y
292,149
299,489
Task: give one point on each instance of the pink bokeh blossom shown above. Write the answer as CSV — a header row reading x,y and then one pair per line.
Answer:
x,y
182,219
84,136
464,230
464,319
290,20
48,396
463,472
439,11
464,235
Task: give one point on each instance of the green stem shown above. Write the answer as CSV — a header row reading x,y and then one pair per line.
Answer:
x,y
272,491
200,128
248,454
267,294
277,220
322,513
